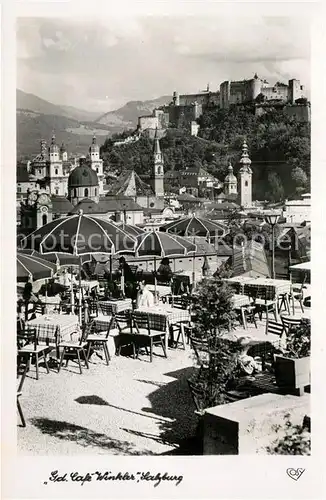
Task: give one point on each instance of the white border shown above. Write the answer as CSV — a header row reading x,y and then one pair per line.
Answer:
x,y
204,477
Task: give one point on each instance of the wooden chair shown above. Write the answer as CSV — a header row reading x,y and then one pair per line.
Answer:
x,y
146,335
27,344
297,295
197,394
250,314
104,308
290,324
92,309
201,350
121,329
264,305
94,339
73,350
277,330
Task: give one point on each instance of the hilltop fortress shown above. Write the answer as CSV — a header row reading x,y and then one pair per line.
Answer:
x,y
185,109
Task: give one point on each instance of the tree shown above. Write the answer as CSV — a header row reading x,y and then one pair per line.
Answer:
x,y
213,309
275,191
300,178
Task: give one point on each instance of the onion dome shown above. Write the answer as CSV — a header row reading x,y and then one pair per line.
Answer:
x,y
94,147
230,177
82,176
245,161
54,148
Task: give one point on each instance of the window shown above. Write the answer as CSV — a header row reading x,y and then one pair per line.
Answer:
x,y
97,170
39,171
246,183
19,189
56,171
86,192
75,193
44,219
56,191
95,191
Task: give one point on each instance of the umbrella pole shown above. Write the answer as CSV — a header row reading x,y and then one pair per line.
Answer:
x,y
111,268
79,298
193,268
155,279
123,281
72,292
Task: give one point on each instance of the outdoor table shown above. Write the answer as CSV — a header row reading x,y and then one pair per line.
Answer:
x,y
239,300
117,305
52,303
156,315
53,328
161,290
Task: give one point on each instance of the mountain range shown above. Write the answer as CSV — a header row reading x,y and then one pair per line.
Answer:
x,y
38,119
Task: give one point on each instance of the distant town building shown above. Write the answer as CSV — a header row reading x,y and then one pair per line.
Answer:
x,y
150,195
298,211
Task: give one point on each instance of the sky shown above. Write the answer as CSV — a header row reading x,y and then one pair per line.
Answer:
x,y
100,64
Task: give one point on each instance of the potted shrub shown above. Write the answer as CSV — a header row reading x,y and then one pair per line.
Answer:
x,y
214,315
292,368
292,439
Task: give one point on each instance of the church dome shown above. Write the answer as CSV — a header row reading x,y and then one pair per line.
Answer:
x,y
230,177
82,176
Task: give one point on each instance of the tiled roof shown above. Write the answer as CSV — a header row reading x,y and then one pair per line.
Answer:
x,y
203,247
250,261
106,205
61,205
130,184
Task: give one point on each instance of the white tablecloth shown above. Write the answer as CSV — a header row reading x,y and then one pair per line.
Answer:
x,y
240,300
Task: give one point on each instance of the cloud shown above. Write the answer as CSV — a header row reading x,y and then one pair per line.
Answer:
x,y
81,61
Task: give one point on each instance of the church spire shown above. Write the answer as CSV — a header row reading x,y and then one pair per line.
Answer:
x,y
157,149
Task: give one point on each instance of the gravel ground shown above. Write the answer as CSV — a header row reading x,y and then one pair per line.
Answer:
x,y
131,407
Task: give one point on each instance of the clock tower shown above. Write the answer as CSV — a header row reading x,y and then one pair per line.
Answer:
x,y
43,210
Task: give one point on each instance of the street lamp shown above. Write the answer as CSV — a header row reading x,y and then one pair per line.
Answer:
x,y
272,219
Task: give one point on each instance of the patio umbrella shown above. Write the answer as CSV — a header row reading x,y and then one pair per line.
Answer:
x,y
80,235
158,244
30,266
61,259
194,226
131,229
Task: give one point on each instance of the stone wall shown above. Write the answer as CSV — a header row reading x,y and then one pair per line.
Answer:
x,y
248,426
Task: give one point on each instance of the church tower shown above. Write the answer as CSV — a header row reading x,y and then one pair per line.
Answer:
x,y
230,182
245,178
57,184
96,163
158,172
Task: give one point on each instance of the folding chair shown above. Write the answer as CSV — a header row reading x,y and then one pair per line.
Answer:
x,y
152,337
27,344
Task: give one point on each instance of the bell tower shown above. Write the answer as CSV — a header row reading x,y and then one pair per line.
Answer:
x,y
245,178
96,163
158,173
